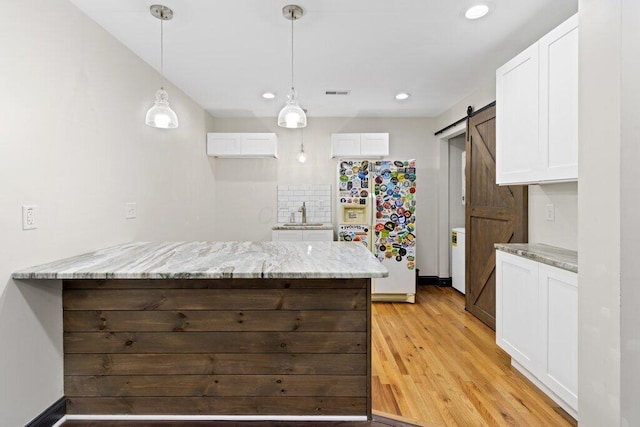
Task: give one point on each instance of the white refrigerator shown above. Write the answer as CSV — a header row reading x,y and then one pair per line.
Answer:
x,y
377,207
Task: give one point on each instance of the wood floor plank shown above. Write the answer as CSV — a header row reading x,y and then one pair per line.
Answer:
x,y
445,361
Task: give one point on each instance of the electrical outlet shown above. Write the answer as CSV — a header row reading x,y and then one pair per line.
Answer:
x,y
551,212
29,217
130,210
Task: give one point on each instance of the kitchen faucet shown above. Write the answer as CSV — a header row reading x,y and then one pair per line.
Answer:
x,y
303,209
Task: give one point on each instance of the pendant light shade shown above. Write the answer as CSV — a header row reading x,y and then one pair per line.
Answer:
x,y
292,116
301,156
160,115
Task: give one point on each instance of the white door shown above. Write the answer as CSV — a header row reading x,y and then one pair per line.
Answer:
x,y
374,144
345,145
559,314
517,309
559,101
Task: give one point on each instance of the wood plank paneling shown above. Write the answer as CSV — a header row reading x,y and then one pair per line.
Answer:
x,y
209,364
198,321
217,405
214,299
247,347
215,385
215,342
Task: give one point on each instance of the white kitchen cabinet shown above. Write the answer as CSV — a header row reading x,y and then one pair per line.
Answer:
x,y
537,324
537,111
359,145
302,235
242,145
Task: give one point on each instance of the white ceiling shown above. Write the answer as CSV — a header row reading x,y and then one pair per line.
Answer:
x,y
224,54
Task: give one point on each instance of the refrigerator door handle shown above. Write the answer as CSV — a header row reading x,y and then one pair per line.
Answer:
x,y
372,209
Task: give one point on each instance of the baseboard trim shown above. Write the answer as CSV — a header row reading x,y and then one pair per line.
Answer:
x,y
434,281
51,415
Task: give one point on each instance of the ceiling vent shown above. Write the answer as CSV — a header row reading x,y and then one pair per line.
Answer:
x,y
337,92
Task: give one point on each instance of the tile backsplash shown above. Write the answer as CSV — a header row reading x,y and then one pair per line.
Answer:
x,y
317,199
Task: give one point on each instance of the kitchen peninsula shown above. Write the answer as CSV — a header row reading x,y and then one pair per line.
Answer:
x,y
217,328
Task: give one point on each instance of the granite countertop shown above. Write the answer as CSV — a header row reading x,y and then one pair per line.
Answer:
x,y
557,257
215,260
301,226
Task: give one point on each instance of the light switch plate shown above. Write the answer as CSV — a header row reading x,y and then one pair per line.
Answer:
x,y
130,210
551,212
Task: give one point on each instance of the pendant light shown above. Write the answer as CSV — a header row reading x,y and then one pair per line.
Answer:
x,y
161,115
291,115
302,156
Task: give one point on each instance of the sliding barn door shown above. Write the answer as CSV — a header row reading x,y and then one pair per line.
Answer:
x,y
494,214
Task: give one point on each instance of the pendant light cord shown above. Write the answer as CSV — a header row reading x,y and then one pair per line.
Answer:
x,y
161,51
292,19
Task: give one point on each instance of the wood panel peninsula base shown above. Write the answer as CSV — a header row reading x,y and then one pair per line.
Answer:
x,y
176,338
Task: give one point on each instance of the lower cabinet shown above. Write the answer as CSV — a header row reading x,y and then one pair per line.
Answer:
x,y
537,324
301,235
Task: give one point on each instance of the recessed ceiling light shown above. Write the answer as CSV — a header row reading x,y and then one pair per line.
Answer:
x,y
402,95
477,11
268,95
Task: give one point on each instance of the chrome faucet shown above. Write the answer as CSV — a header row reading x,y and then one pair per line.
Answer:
x,y
303,209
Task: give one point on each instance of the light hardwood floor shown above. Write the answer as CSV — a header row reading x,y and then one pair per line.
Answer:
x,y
436,364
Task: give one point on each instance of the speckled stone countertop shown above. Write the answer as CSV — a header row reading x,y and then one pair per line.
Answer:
x,y
300,226
546,254
215,260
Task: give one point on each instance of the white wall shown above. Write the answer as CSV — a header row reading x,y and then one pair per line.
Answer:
x,y
73,142
599,204
563,231
629,215
251,183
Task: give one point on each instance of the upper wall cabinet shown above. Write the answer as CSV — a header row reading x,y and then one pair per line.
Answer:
x,y
537,111
242,145
365,145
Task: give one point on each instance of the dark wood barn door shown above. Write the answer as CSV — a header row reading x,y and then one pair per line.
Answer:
x,y
494,214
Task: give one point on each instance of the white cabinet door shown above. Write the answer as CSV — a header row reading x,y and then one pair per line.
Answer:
x,y
223,144
559,314
374,144
259,145
517,118
559,101
345,145
517,309
317,235
286,235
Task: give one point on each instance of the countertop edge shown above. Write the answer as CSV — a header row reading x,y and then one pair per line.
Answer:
x,y
191,276
282,226
564,259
